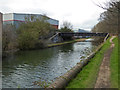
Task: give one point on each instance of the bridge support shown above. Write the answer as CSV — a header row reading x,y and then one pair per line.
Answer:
x,y
106,37
55,38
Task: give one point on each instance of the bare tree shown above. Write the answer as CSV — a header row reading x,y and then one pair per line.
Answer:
x,y
109,20
67,25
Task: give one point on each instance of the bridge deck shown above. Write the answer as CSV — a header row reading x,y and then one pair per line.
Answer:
x,y
83,34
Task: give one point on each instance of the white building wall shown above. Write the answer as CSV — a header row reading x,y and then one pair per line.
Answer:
x,y
21,17
8,16
15,17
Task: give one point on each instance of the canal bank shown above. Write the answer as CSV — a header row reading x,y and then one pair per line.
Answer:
x,y
66,78
6,53
86,79
25,68
66,42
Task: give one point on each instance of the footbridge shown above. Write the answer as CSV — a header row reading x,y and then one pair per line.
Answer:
x,y
82,34
58,37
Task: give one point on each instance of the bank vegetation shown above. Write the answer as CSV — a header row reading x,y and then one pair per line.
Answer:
x,y
29,35
32,34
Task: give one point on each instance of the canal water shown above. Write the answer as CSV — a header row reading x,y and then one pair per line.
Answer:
x,y
37,68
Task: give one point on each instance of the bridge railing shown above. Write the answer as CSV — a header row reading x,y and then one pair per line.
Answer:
x,y
83,34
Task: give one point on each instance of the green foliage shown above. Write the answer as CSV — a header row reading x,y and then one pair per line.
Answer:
x,y
66,28
31,34
8,37
87,77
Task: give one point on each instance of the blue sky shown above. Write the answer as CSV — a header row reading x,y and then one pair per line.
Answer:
x,y
81,13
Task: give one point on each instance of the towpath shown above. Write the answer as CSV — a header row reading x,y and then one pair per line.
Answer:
x,y
103,79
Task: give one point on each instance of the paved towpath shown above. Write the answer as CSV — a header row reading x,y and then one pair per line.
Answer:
x,y
103,79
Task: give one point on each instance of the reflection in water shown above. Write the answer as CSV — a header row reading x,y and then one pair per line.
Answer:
x,y
26,67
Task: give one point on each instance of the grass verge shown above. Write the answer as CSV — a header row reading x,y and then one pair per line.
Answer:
x,y
67,42
114,65
87,77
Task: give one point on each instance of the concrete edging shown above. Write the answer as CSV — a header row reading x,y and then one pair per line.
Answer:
x,y
63,80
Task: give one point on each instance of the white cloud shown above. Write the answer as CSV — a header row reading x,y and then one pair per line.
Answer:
x,y
78,12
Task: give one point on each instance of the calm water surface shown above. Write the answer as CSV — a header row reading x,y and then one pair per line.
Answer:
x,y
25,68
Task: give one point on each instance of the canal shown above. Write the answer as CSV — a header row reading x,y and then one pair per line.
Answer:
x,y
25,69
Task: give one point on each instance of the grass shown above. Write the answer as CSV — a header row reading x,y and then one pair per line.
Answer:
x,y
67,42
119,61
87,77
114,65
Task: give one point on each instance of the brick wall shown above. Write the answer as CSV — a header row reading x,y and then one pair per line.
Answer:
x,y
0,33
0,30
0,21
55,26
0,50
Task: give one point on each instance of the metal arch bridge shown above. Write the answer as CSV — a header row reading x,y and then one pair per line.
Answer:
x,y
82,34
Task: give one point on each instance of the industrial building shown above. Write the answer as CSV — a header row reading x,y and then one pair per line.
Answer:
x,y
17,18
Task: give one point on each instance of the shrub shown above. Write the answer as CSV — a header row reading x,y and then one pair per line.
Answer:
x,y
31,33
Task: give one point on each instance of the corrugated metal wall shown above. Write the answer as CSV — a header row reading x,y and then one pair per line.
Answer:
x,y
8,16
15,18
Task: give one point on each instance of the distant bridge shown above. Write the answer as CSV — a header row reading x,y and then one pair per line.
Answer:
x,y
82,34
58,37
